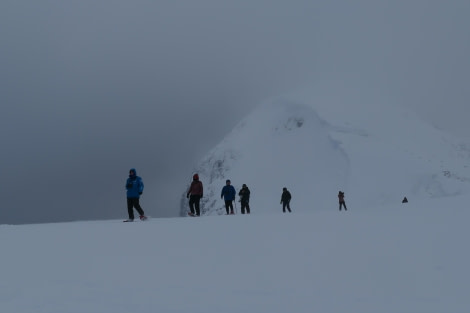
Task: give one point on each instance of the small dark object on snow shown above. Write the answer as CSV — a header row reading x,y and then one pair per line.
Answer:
x,y
404,200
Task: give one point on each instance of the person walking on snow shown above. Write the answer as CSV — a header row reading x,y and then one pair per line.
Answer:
x,y
228,193
134,187
244,199
194,194
341,200
285,200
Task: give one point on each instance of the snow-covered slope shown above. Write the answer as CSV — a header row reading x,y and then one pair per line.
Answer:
x,y
377,154
397,258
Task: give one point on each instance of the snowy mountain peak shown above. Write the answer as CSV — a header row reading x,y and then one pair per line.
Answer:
x,y
376,155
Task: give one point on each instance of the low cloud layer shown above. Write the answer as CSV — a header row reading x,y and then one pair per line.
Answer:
x,y
93,88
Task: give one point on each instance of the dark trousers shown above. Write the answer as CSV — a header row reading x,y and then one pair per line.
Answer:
x,y
245,205
194,204
229,205
342,203
284,205
131,204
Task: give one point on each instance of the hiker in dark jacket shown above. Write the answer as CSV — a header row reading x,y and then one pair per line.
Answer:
x,y
285,200
195,193
134,187
228,193
244,194
341,200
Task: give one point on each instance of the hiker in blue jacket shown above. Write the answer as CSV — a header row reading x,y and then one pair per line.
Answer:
x,y
228,193
134,187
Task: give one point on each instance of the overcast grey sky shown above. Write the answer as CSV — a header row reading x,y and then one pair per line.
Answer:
x,y
90,89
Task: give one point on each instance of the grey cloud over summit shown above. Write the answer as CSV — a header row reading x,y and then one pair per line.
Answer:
x,y
90,89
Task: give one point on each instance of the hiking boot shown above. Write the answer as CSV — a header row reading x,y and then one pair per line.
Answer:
x,y
143,217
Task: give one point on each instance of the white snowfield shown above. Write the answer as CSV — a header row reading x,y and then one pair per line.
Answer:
x,y
392,258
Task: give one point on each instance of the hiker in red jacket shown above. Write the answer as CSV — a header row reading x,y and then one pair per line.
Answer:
x,y
194,194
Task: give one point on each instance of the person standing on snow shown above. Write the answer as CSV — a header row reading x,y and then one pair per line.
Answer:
x,y
341,200
194,194
134,187
285,200
228,193
244,199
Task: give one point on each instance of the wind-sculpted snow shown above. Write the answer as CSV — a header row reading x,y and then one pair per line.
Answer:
x,y
376,154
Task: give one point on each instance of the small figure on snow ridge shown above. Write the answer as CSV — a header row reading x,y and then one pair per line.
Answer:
x,y
244,194
228,193
285,200
195,193
134,187
341,200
